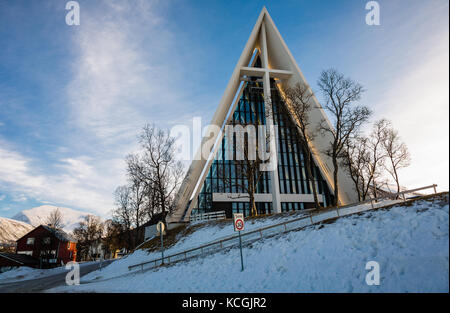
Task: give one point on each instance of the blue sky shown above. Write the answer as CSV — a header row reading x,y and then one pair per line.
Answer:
x,y
73,98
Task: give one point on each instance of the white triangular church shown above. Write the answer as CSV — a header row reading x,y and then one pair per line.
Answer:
x,y
265,66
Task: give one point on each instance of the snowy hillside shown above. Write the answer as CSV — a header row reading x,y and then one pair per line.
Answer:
x,y
38,215
11,230
410,244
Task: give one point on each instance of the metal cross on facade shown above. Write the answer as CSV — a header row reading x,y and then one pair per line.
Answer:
x,y
267,73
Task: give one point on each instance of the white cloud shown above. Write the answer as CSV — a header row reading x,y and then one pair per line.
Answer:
x,y
77,182
418,105
19,197
14,168
119,83
118,74
123,77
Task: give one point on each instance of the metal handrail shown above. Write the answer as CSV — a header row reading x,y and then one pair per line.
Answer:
x,y
285,223
391,195
207,216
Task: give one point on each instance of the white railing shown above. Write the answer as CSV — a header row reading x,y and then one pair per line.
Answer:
x,y
310,218
219,215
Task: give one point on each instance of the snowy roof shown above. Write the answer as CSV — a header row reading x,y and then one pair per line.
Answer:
x,y
60,234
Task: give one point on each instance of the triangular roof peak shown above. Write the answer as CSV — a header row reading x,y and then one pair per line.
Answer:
x,y
278,54
277,62
264,10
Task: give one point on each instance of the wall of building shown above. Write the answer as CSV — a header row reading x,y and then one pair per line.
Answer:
x,y
54,251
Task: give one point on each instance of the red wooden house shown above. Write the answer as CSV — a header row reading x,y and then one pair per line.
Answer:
x,y
51,247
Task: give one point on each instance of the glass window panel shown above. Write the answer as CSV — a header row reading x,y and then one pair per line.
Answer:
x,y
288,186
282,190
207,185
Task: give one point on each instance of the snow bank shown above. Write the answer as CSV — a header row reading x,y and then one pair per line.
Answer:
x,y
411,245
206,233
27,273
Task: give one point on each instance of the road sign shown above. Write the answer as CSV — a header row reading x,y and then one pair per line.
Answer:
x,y
239,226
160,227
238,221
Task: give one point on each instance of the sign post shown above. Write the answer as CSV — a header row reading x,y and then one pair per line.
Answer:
x,y
160,228
238,226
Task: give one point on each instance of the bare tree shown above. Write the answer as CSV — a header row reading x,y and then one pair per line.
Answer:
x,y
397,154
160,168
137,200
88,234
365,157
113,237
139,176
355,160
153,178
341,95
55,219
299,101
123,214
377,155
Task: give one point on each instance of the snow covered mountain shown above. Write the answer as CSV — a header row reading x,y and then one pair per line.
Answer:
x,y
38,215
11,230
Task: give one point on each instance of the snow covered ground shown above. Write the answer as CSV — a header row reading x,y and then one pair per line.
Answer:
x,y
27,273
411,245
205,234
